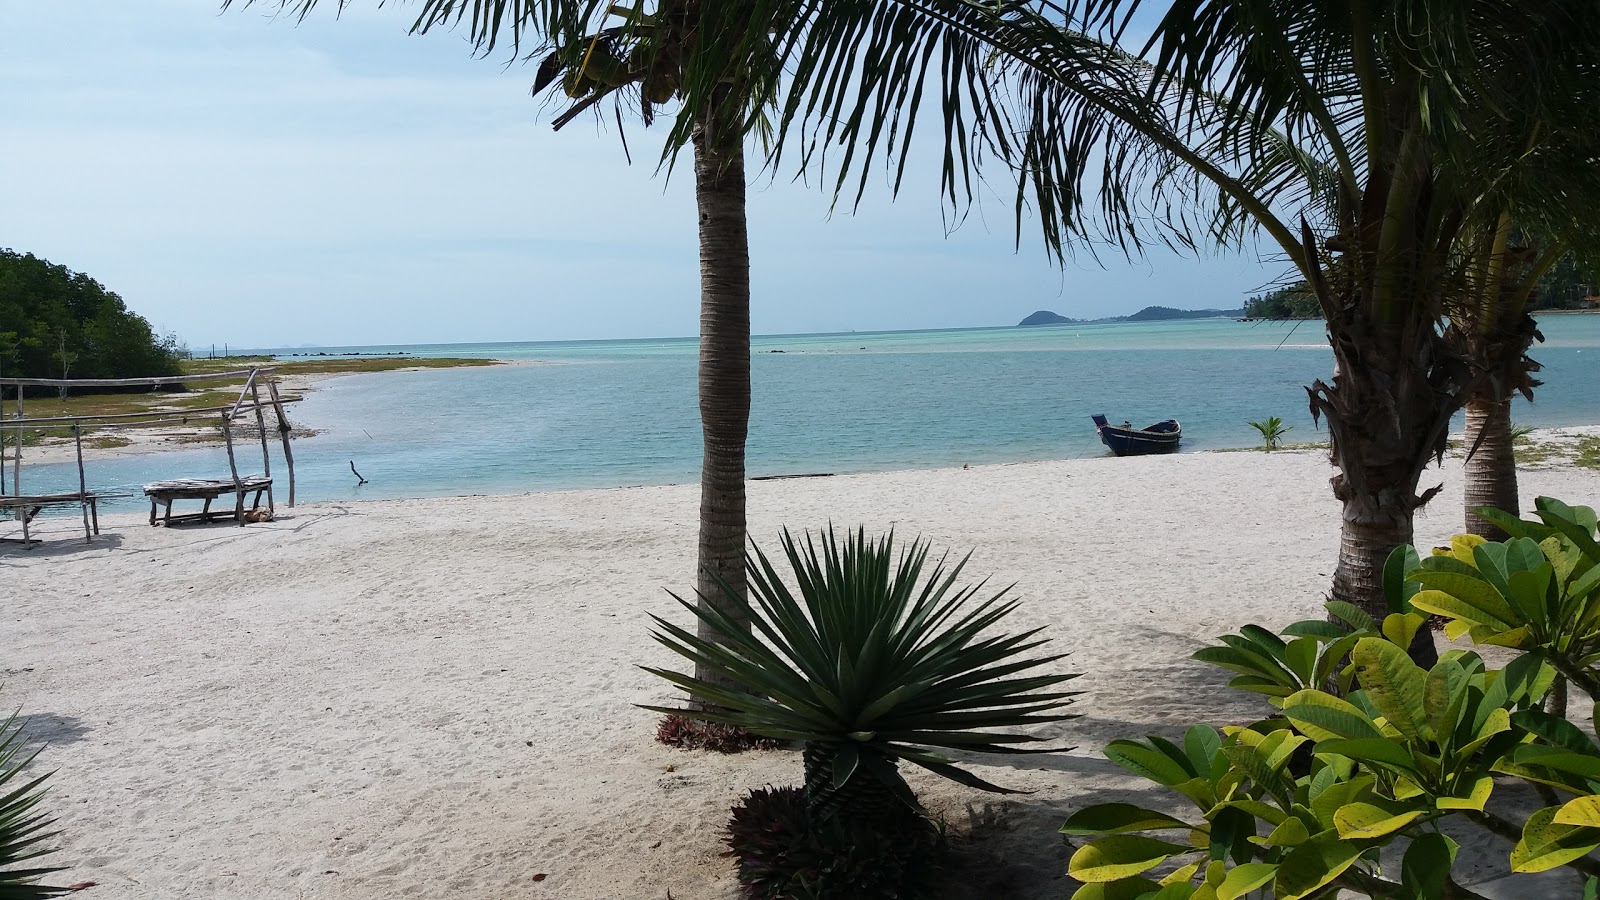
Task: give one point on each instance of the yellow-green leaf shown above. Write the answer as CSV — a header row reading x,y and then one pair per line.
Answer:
x,y
1119,856
1475,798
1581,811
1291,833
1546,845
1359,821
1125,889
1323,717
1181,875
1394,684
1243,879
1313,865
1400,628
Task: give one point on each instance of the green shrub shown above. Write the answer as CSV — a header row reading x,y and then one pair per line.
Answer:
x,y
1307,802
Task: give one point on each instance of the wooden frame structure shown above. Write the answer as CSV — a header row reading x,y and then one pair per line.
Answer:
x,y
27,506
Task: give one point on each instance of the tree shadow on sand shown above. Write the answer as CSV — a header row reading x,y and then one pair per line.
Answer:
x,y
40,729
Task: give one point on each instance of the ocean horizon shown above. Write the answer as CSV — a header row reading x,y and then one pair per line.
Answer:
x,y
614,413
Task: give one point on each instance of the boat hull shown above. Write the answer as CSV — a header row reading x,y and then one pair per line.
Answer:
x,y
1162,437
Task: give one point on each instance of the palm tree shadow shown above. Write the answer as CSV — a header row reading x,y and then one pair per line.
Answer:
x,y
40,729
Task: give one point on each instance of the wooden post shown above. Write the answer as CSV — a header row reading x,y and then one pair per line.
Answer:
x,y
233,466
16,461
83,482
266,458
283,432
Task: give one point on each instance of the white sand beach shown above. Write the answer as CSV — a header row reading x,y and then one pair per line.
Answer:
x,y
436,698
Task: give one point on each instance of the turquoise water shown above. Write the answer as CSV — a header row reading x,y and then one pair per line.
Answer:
x,y
611,413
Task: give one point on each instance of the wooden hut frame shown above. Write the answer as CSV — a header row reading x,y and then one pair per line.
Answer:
x,y
27,506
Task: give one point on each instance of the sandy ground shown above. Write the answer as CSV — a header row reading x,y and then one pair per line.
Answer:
x,y
432,698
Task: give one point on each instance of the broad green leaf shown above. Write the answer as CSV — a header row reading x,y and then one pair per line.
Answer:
x,y
1546,845
1555,730
1426,868
1200,744
1119,856
1243,879
1118,818
1401,628
1397,588
1323,716
1394,684
1375,751
1444,696
1313,865
1352,615
1147,762
1359,821
1496,722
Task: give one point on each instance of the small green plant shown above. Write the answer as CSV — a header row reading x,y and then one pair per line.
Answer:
x,y
1521,434
875,659
24,831
1272,431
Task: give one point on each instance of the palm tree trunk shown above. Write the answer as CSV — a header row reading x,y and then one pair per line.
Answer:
x,y
1381,457
1491,470
724,369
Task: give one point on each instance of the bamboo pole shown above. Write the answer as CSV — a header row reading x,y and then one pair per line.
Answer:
x,y
83,483
283,432
123,382
16,460
233,467
266,458
249,384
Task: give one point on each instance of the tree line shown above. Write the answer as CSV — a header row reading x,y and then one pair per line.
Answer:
x,y
57,323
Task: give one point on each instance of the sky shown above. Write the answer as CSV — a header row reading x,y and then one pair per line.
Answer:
x,y
248,180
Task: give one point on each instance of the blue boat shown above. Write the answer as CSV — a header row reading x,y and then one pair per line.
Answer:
x,y
1125,440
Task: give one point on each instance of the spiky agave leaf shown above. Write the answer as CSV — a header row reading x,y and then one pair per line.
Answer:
x,y
873,651
24,832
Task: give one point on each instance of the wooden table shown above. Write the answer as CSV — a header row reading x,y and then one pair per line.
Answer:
x,y
162,493
31,505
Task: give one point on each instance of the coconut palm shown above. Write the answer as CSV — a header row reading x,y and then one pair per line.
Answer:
x,y
1364,140
639,58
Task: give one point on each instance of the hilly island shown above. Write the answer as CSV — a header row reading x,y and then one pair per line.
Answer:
x,y
1148,314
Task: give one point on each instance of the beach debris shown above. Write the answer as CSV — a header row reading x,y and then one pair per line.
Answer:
x,y
361,480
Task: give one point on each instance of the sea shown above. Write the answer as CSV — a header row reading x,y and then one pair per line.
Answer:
x,y
590,414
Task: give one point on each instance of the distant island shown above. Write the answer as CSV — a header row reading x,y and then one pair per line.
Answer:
x,y
1148,314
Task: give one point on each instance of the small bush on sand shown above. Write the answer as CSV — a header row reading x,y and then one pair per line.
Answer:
x,y
693,734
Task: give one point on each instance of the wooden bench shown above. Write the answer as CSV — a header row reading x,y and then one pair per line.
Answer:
x,y
162,493
30,506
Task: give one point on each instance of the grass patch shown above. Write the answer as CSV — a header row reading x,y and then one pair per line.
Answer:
x,y
1588,453
107,441
375,364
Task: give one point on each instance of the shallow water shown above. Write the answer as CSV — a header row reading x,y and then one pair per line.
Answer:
x,y
610,413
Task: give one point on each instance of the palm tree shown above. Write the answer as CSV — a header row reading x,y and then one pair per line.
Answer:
x,y
594,51
1364,139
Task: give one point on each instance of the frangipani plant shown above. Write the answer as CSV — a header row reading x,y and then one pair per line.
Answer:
x,y
1307,803
874,658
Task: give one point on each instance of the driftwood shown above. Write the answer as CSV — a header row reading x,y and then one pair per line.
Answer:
x,y
361,480
283,432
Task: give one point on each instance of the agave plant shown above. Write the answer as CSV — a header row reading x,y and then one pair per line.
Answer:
x,y
874,659
24,834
